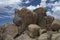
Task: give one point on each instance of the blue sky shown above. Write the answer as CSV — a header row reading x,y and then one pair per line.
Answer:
x,y
7,8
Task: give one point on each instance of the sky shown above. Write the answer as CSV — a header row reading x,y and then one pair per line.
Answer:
x,y
7,8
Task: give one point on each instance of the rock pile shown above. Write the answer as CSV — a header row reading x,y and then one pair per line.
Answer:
x,y
28,25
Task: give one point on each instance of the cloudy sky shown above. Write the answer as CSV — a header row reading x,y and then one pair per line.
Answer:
x,y
7,8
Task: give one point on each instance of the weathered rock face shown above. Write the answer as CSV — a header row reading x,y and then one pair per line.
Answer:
x,y
33,30
11,29
2,31
41,12
42,23
47,20
24,16
55,25
43,36
8,37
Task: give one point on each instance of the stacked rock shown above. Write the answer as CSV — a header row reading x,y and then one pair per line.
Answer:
x,y
25,17
36,23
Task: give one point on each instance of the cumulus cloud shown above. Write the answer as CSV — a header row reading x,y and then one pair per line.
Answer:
x,y
8,7
9,2
17,4
42,4
55,9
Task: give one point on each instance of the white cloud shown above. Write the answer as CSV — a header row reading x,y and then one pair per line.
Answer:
x,y
9,2
32,7
52,0
48,13
43,3
14,4
27,1
17,4
2,17
55,9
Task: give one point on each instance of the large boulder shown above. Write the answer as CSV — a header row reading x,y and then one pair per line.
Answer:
x,y
11,29
41,12
43,36
33,30
24,16
49,20
55,25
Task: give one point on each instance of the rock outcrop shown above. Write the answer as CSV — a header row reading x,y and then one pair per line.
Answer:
x,y
28,25
23,18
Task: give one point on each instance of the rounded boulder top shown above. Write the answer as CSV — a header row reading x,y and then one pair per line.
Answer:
x,y
40,10
33,26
